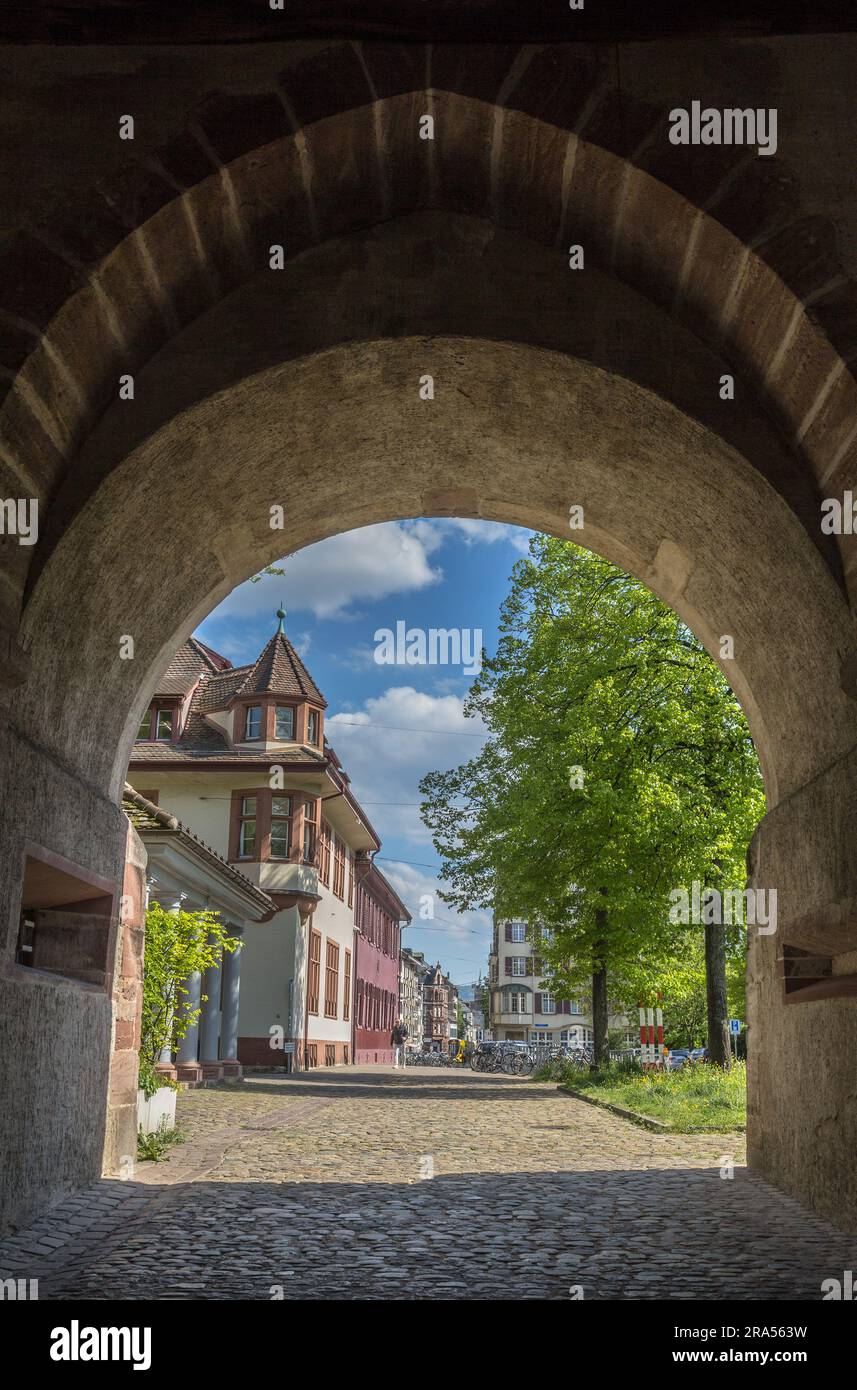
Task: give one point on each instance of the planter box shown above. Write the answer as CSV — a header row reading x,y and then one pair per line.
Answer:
x,y
159,1111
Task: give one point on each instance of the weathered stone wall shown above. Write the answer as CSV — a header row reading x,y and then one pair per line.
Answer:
x,y
55,1035
403,257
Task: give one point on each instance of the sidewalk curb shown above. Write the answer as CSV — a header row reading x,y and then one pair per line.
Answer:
x,y
633,1115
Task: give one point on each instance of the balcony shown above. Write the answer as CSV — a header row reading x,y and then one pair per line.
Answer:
x,y
514,1019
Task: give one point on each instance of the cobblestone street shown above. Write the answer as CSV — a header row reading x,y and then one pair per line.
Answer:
x,y
426,1184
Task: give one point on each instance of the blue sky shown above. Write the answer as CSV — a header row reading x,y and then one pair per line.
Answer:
x,y
389,724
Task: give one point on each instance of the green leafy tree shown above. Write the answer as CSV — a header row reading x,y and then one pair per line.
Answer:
x,y
178,945
618,767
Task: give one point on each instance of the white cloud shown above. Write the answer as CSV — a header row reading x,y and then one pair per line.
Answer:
x,y
328,578
400,736
491,533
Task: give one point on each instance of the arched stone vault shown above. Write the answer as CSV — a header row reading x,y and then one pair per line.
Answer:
x,y
554,387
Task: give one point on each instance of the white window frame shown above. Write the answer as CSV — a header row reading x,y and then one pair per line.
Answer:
x,y
514,962
519,927
253,709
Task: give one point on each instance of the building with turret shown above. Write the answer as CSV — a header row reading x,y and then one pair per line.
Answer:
x,y
239,755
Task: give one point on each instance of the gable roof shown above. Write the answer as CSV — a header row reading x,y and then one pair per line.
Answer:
x,y
278,670
192,660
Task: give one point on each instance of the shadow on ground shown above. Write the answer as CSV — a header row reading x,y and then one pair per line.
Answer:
x,y
678,1234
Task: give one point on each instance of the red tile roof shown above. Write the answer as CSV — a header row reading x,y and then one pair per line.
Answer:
x,y
280,671
192,660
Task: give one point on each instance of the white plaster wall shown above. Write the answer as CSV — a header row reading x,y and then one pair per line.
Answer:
x,y
335,920
267,965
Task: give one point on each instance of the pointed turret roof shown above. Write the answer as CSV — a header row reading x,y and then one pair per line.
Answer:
x,y
278,670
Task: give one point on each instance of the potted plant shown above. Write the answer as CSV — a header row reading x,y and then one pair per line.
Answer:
x,y
178,945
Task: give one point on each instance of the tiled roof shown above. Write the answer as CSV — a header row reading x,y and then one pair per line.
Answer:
x,y
146,817
192,660
280,671
211,748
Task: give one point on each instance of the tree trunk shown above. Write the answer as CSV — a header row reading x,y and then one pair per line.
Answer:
x,y
719,1047
600,1020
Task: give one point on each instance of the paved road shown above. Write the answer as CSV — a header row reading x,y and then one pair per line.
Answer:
x,y
364,1183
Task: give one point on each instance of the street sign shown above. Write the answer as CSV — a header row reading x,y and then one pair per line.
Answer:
x,y
735,1025
288,1047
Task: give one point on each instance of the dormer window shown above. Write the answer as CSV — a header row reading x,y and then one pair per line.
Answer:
x,y
253,722
285,725
156,724
312,726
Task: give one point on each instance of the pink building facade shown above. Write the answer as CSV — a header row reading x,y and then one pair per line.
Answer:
x,y
379,914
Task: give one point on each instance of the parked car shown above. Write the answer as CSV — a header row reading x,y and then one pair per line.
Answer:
x,y
699,1054
677,1058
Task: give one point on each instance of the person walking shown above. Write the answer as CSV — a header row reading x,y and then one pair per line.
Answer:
x,y
398,1038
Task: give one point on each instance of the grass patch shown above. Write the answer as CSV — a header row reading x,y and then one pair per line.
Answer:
x,y
694,1100
155,1147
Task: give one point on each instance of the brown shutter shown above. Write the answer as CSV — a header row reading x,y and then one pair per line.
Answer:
x,y
508,965
537,965
537,1003
566,1006
508,931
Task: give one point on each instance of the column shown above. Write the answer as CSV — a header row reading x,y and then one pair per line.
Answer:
x,y
229,1021
171,902
187,1061
209,1031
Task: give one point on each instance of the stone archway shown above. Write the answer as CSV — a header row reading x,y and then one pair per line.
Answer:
x,y
254,386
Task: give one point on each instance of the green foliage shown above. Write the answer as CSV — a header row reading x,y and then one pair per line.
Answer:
x,y
150,1081
694,1099
619,767
178,944
155,1147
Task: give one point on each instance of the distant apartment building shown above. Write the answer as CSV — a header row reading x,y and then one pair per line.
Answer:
x,y
521,1009
413,973
378,916
436,1011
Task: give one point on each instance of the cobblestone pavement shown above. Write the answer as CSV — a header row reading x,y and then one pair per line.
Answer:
x,y
365,1183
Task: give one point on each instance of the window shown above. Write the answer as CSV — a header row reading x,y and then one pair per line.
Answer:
x,y
312,726
285,723
313,981
331,980
548,1004
253,722
346,989
338,867
247,828
519,931
517,1003
156,724
310,830
324,855
281,826
518,965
